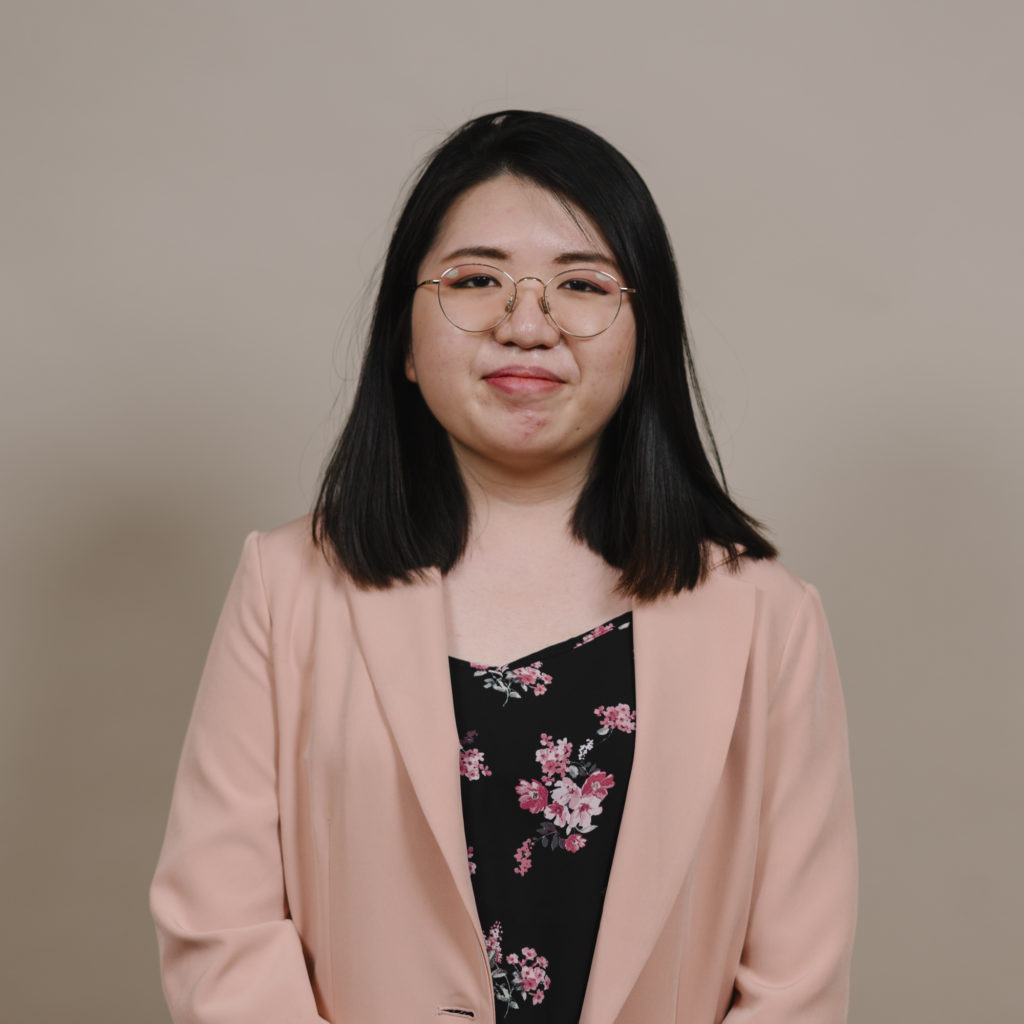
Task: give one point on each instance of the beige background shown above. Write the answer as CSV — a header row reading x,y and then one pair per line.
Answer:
x,y
195,196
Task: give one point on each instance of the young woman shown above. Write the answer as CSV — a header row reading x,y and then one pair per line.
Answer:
x,y
525,722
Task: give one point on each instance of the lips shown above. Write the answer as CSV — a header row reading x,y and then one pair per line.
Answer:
x,y
525,372
524,381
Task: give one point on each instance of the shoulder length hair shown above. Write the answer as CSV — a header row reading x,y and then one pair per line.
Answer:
x,y
392,502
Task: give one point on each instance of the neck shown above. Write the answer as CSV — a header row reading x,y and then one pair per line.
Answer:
x,y
521,500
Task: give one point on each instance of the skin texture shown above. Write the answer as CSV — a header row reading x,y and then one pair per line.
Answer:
x,y
504,428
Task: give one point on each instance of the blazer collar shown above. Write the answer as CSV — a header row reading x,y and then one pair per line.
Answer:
x,y
690,654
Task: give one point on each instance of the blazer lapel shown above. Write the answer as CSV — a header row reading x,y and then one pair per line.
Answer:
x,y
690,654
403,637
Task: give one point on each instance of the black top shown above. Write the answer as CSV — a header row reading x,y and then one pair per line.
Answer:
x,y
547,748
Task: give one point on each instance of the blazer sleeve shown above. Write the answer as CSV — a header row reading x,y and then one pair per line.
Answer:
x,y
795,964
229,952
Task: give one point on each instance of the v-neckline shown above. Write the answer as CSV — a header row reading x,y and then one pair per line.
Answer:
x,y
552,650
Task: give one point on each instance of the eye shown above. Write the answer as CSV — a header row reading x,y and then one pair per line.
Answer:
x,y
586,282
579,284
470,276
475,281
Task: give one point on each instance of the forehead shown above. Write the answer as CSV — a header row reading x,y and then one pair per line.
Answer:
x,y
519,217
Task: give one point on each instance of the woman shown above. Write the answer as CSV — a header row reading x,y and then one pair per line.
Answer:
x,y
525,722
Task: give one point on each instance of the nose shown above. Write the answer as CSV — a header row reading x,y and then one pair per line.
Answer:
x,y
527,324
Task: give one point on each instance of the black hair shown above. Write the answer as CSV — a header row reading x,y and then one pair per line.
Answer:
x,y
392,502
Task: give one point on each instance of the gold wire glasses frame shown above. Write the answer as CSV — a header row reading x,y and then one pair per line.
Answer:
x,y
469,301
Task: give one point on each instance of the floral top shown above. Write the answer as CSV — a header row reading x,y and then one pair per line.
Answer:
x,y
546,753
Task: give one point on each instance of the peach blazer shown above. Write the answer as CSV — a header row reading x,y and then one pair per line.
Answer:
x,y
314,867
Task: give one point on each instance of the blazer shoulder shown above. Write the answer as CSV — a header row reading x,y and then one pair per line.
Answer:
x,y
289,555
768,575
780,592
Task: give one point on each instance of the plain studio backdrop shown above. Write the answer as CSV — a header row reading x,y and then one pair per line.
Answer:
x,y
195,199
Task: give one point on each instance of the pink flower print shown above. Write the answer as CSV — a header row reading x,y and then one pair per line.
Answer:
x,y
492,943
531,676
535,981
514,683
597,784
575,842
532,976
589,807
565,798
533,796
553,757
529,975
619,717
573,787
472,863
594,634
570,808
471,764
523,858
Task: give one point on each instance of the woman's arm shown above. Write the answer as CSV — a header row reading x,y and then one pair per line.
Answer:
x,y
229,952
796,960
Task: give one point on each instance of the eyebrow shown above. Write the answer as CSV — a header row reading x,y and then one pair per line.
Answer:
x,y
572,258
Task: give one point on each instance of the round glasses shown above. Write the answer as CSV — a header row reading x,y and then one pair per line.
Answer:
x,y
581,303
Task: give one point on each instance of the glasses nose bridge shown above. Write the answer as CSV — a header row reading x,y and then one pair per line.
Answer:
x,y
514,299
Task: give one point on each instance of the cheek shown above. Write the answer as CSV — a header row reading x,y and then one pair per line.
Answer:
x,y
430,350
431,364
438,368
619,368
627,363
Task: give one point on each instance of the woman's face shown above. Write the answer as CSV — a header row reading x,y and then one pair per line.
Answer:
x,y
523,395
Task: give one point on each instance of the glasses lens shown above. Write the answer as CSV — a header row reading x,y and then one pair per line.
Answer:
x,y
584,302
474,296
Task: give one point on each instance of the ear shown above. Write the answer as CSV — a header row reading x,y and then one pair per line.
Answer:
x,y
410,367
